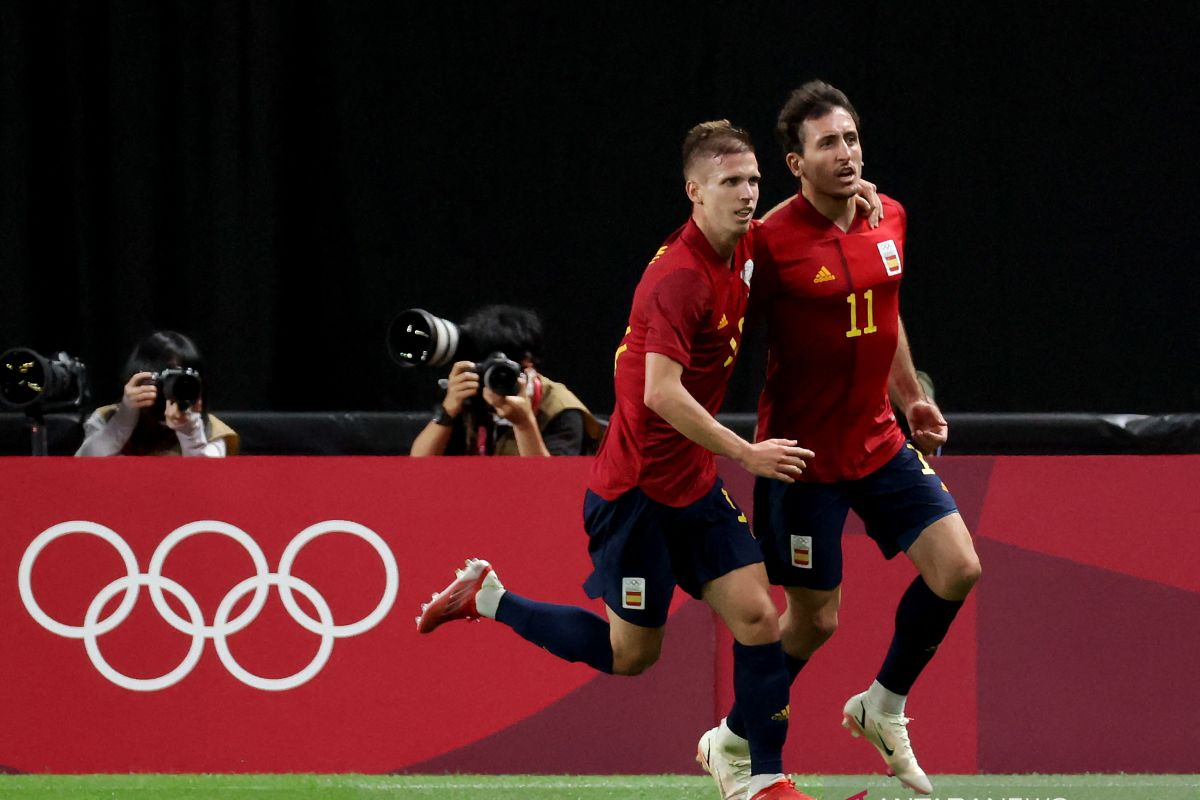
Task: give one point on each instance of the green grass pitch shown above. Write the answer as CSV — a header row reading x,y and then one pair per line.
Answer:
x,y
589,787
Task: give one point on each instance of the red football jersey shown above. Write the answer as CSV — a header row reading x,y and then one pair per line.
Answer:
x,y
832,304
690,306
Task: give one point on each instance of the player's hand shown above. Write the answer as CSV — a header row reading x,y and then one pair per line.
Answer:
x,y
462,386
927,426
780,459
516,408
868,202
182,421
138,392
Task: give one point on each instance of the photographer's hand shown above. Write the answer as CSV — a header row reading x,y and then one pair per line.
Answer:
x,y
515,408
188,427
181,421
139,393
518,409
463,385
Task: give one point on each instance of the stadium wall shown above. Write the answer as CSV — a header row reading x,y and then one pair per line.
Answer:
x,y
1086,615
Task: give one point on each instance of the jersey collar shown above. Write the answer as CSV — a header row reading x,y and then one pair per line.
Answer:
x,y
809,214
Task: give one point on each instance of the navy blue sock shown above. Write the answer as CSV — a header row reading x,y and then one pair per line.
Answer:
x,y
734,720
922,620
569,632
760,686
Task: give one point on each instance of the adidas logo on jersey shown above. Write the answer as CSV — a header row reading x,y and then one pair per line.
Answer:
x,y
823,275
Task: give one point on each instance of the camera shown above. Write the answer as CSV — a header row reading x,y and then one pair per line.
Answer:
x,y
499,373
418,338
181,384
32,381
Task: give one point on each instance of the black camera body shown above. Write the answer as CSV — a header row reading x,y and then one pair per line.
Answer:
x,y
499,373
180,384
418,338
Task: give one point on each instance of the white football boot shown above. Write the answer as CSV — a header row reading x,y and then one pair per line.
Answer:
x,y
889,734
726,757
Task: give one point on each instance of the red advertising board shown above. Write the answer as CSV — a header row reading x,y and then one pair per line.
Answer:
x,y
256,615
282,636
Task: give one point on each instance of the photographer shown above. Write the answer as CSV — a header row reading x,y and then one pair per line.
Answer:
x,y
542,418
162,410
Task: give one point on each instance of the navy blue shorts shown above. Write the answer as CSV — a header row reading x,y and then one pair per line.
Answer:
x,y
799,525
641,550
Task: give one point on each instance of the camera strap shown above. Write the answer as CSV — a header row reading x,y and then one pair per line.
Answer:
x,y
534,390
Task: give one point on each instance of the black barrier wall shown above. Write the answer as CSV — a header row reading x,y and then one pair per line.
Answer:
x,y
333,433
278,179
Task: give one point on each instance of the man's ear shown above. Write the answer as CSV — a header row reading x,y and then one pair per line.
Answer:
x,y
693,191
795,163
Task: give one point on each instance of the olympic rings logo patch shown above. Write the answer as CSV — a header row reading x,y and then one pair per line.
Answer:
x,y
94,627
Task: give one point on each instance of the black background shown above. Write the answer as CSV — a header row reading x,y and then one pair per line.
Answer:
x,y
278,179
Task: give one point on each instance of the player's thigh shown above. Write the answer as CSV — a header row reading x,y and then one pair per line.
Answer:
x,y
630,557
799,528
708,540
900,501
742,599
945,556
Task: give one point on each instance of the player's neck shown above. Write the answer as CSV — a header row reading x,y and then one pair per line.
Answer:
x,y
839,210
723,242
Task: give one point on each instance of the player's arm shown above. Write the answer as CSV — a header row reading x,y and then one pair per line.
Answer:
x,y
925,421
666,396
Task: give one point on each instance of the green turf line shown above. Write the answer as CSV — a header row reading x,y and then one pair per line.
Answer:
x,y
587,787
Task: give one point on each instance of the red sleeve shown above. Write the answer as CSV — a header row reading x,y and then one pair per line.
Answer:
x,y
675,308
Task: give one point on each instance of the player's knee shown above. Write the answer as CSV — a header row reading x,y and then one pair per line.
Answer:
x,y
634,660
961,578
823,625
756,623
969,574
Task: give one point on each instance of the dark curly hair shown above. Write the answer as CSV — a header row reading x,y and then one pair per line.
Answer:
x,y
512,330
813,100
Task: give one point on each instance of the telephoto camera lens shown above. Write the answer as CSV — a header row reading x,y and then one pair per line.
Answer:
x,y
417,338
28,379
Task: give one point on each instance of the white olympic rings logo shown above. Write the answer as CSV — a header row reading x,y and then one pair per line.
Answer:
x,y
93,627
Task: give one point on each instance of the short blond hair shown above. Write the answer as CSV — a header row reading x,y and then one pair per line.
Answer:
x,y
714,138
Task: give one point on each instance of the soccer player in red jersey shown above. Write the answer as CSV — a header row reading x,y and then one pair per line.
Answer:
x,y
656,513
828,284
